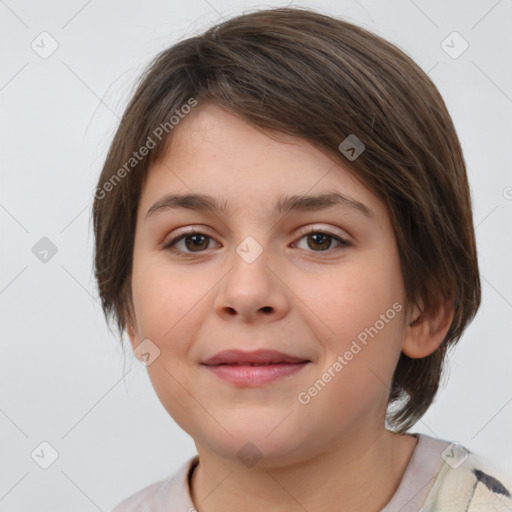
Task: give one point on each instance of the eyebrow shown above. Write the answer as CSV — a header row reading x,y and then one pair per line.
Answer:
x,y
285,204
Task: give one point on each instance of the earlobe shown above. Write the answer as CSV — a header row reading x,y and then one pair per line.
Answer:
x,y
424,334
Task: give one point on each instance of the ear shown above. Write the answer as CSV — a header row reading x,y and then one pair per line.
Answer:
x,y
424,334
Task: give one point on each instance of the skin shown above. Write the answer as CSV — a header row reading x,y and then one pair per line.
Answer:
x,y
333,453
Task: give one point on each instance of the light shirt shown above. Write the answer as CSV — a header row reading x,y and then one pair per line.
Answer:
x,y
440,477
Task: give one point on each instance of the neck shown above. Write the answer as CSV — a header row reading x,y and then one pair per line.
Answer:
x,y
351,476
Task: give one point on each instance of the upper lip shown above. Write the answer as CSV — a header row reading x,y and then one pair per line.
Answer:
x,y
262,356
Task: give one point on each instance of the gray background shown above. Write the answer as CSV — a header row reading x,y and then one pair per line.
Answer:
x,y
63,377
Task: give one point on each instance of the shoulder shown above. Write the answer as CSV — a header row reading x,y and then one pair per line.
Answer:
x,y
144,500
173,490
468,482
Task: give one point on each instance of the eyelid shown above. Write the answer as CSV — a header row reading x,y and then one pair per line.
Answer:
x,y
320,229
189,230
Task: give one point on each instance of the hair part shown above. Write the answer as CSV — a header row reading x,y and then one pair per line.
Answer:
x,y
301,73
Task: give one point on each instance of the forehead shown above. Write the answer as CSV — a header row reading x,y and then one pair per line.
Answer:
x,y
213,152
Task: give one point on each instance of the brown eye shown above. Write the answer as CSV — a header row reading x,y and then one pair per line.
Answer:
x,y
192,243
197,242
320,241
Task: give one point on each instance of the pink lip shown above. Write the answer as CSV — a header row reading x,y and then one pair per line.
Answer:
x,y
252,376
251,369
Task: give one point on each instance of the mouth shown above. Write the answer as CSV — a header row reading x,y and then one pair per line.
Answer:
x,y
255,358
252,369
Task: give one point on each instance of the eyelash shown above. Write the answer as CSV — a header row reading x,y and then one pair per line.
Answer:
x,y
170,245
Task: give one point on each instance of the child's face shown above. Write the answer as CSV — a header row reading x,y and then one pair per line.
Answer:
x,y
294,297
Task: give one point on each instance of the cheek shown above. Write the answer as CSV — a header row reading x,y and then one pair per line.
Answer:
x,y
167,305
361,308
349,299
164,302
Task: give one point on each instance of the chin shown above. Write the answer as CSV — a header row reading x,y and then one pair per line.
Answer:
x,y
254,447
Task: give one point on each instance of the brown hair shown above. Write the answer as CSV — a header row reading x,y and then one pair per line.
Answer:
x,y
299,72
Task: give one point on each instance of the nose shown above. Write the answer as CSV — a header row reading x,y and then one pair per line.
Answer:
x,y
252,291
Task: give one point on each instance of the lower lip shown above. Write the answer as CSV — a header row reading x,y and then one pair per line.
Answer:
x,y
252,376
